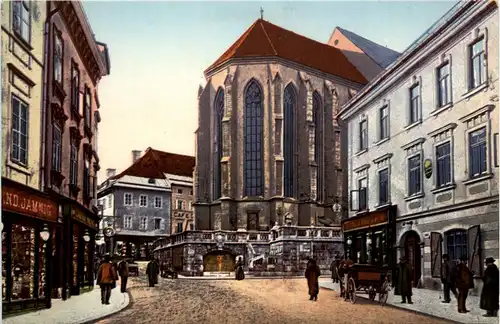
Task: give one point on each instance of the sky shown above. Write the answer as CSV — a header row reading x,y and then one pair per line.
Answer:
x,y
159,50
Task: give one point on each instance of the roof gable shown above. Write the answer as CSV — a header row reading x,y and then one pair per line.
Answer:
x,y
382,55
264,39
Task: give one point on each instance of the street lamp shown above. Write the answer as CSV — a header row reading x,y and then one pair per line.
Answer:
x,y
86,236
349,241
44,233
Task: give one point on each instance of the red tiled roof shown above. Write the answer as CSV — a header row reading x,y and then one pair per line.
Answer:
x,y
154,163
264,39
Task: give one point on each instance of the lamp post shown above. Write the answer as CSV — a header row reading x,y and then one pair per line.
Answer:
x,y
86,236
349,242
45,235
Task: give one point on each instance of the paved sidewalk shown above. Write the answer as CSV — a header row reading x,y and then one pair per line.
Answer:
x,y
76,310
429,302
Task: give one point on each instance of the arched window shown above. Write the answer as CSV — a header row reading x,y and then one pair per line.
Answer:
x,y
456,243
290,104
219,114
318,145
254,119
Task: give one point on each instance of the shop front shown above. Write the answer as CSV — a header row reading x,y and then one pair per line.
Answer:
x,y
30,222
369,238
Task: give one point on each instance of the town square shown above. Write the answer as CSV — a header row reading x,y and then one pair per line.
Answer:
x,y
250,162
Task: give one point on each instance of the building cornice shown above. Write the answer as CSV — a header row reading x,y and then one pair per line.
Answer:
x,y
453,28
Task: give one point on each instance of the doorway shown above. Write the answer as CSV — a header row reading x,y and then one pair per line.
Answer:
x,y
413,254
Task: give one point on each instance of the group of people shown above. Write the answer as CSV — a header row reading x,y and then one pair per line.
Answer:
x,y
455,277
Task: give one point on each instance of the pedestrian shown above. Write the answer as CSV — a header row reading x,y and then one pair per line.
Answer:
x,y
404,281
106,279
334,268
448,271
123,272
489,294
152,271
312,274
463,281
240,274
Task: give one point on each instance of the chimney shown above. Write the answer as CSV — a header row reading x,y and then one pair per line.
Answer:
x,y
110,173
135,155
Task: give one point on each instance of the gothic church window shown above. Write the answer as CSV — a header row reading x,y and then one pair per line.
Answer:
x,y
290,104
253,139
219,113
318,144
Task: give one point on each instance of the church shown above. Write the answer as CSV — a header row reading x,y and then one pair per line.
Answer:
x,y
268,163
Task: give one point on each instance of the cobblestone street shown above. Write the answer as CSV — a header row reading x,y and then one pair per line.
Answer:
x,y
249,301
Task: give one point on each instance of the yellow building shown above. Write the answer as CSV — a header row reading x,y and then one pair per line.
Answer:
x,y
22,89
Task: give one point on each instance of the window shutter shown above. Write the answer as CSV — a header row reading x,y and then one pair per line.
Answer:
x,y
354,199
474,250
162,224
436,254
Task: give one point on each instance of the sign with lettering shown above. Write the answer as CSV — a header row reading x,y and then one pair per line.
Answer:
x,y
367,221
29,204
84,219
428,168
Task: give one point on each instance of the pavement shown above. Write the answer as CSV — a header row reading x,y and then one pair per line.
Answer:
x,y
80,309
428,302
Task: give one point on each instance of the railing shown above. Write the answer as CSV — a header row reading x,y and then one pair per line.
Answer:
x,y
229,237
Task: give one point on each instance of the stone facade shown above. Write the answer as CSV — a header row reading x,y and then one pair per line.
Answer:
x,y
432,220
182,208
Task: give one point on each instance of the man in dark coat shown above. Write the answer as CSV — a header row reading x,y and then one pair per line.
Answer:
x,y
489,294
152,271
123,272
448,270
404,281
463,281
334,268
240,274
312,274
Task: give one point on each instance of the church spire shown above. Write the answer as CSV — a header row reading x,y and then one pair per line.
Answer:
x,y
261,13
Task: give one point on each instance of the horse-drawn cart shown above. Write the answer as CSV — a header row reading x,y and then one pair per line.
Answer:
x,y
371,279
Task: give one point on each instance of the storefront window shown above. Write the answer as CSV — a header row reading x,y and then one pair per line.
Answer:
x,y
86,264
5,248
23,262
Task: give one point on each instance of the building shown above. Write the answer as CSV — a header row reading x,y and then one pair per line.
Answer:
x,y
74,65
138,204
423,150
280,91
25,208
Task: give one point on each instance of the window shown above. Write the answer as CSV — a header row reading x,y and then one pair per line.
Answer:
x,y
414,175
157,223
443,167
179,227
191,192
110,201
253,130
58,58
127,222
289,140
477,153
384,123
444,85
73,170
191,226
144,223
158,202
87,107
56,147
363,135
21,20
86,177
363,194
318,144
143,200
104,202
179,191
127,199
414,104
219,113
180,204
383,187
456,242
19,131
253,221
75,89
476,64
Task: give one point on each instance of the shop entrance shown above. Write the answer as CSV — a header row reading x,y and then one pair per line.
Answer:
x,y
218,261
413,254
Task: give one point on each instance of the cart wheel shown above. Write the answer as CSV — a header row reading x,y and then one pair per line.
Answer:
x,y
384,293
351,290
372,293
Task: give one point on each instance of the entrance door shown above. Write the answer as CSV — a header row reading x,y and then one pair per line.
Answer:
x,y
412,252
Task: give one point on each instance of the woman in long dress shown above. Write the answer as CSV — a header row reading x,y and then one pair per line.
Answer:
x,y
312,274
240,274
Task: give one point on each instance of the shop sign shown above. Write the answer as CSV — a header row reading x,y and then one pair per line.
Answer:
x,y
29,204
427,168
84,219
370,220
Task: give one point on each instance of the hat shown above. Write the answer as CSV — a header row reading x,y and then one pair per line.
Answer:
x,y
490,260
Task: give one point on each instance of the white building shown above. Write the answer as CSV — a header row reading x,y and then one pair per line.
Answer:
x,y
423,140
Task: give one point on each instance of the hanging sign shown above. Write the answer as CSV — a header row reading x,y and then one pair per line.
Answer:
x,y
428,168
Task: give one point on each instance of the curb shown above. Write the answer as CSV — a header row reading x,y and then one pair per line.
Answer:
x,y
95,320
404,309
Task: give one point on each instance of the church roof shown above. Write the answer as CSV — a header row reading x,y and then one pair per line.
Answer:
x,y
264,39
382,55
155,164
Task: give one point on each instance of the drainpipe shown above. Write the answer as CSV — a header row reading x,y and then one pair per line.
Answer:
x,y
43,130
